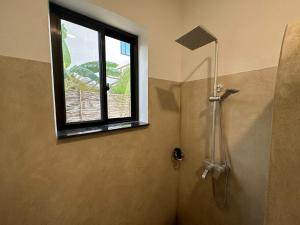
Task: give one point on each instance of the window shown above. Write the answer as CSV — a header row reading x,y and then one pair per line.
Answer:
x,y
95,70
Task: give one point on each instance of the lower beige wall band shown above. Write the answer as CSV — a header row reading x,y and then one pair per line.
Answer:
x,y
128,177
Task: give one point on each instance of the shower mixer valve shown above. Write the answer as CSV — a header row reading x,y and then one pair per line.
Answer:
x,y
216,169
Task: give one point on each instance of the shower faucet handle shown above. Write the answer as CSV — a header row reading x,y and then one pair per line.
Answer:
x,y
205,174
208,166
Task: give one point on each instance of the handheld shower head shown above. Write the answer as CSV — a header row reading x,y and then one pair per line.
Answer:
x,y
228,92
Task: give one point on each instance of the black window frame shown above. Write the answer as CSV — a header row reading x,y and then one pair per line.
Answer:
x,y
56,14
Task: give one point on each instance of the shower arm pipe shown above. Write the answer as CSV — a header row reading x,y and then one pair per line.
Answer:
x,y
216,67
214,113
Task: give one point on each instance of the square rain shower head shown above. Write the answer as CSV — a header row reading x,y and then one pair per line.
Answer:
x,y
196,38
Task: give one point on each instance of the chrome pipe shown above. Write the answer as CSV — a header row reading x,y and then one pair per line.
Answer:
x,y
214,109
216,67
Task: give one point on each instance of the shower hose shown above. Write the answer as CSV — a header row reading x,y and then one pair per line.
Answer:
x,y
218,120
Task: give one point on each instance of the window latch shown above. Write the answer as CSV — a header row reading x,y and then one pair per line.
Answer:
x,y
107,87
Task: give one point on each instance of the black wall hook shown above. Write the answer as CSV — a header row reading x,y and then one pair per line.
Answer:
x,y
178,154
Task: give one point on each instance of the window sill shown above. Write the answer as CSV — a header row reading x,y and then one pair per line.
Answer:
x,y
99,129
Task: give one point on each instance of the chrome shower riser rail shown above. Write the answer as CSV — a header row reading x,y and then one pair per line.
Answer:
x,y
214,103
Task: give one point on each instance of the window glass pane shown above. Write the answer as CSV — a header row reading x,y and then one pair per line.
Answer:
x,y
127,49
118,75
81,72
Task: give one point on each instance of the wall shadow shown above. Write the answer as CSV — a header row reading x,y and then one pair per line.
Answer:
x,y
167,97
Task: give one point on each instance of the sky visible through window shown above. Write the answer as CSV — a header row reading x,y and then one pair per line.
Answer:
x,y
78,35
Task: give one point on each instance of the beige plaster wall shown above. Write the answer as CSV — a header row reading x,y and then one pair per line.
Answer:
x,y
284,185
127,177
247,127
249,31
24,31
118,178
